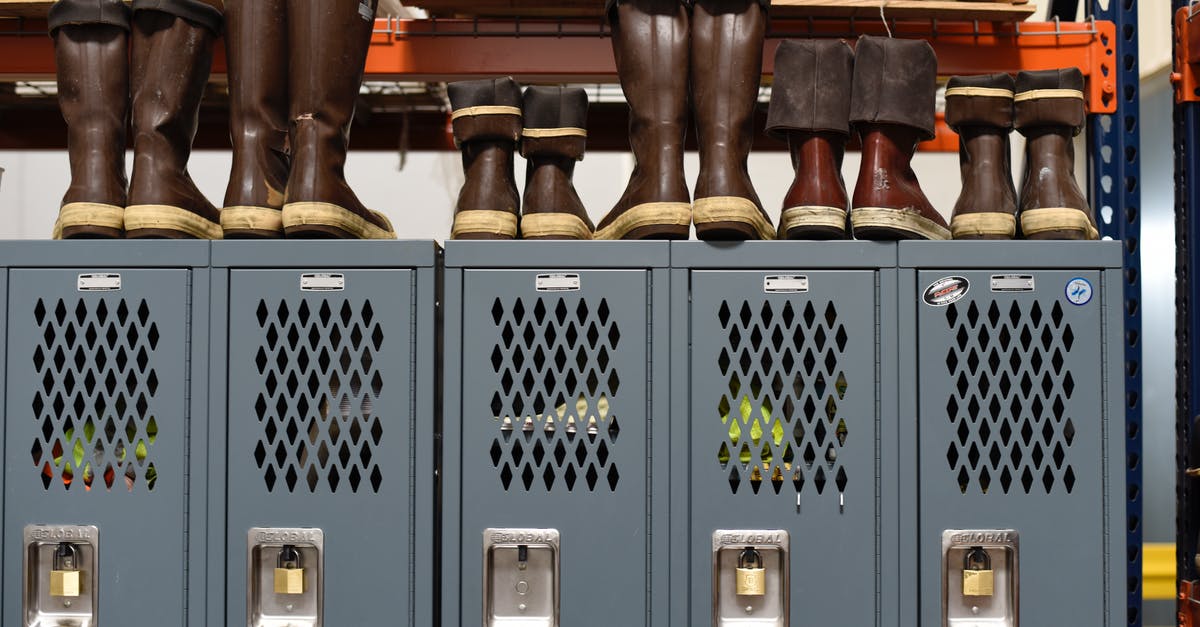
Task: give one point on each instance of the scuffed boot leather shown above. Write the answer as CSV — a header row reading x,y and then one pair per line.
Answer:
x,y
554,138
487,124
892,109
980,110
1050,112
810,109
256,44
328,42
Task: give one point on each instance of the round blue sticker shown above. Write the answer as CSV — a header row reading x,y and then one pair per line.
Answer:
x,y
1079,291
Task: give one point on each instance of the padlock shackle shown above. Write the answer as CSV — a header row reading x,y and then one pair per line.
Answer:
x,y
289,557
63,553
750,558
977,559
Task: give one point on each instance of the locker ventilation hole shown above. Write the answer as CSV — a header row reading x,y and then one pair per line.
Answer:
x,y
554,404
319,387
779,409
1012,431
96,394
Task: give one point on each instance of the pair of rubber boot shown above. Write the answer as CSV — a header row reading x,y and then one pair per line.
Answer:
x,y
666,51
491,118
884,90
164,52
1047,107
295,69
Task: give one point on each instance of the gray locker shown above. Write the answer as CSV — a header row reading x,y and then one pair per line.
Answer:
x,y
104,435
781,404
324,393
1014,379
556,433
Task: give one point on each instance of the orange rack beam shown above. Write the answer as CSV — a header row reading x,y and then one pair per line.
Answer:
x,y
1186,77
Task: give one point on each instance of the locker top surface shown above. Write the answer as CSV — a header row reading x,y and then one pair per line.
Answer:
x,y
1043,255
339,254
104,253
542,254
783,254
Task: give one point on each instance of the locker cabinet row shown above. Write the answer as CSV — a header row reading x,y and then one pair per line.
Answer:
x,y
545,434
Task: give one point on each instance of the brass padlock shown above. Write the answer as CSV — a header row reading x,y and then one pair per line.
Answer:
x,y
289,571
65,579
978,577
751,576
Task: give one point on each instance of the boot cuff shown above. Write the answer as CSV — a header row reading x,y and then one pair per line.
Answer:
x,y
980,101
194,11
895,82
555,108
486,109
74,12
812,87
534,143
1050,98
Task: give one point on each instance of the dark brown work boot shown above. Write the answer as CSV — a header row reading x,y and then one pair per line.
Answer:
x,y
1050,112
727,49
256,45
93,93
651,47
329,43
555,137
810,108
487,126
171,62
892,109
980,110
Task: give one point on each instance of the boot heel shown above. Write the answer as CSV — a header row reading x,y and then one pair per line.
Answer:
x,y
884,223
554,226
167,222
730,218
653,220
813,223
479,224
251,222
325,220
1057,223
989,225
80,220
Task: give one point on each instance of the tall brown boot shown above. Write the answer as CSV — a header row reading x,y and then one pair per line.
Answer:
x,y
650,44
329,41
810,108
93,93
892,108
256,45
980,110
1050,113
727,49
171,61
555,137
487,125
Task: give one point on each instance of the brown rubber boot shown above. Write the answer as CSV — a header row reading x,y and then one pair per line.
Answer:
x,y
980,110
171,62
329,43
650,44
892,109
810,109
93,93
256,46
727,49
555,137
1050,113
487,125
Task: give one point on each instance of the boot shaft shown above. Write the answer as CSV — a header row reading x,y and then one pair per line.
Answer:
x,y
895,82
817,159
980,110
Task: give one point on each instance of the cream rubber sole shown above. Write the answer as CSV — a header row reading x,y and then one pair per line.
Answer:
x,y
562,225
331,215
252,219
168,218
80,214
898,220
724,209
668,214
811,217
1035,221
500,224
989,224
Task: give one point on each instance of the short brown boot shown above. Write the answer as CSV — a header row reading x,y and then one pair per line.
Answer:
x,y
256,45
1050,112
892,109
555,137
980,110
171,61
810,109
651,47
93,93
727,49
328,42
487,125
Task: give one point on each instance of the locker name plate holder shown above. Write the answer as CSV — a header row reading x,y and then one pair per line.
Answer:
x,y
61,587
558,283
520,578
785,284
98,283
285,577
322,282
768,604
986,598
